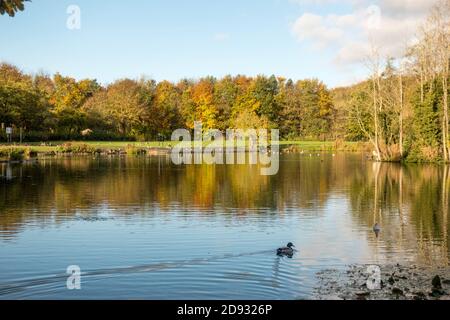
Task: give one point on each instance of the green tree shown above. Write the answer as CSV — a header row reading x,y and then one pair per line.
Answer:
x,y
316,109
67,100
265,91
225,94
22,106
166,109
426,138
359,121
187,105
125,106
290,115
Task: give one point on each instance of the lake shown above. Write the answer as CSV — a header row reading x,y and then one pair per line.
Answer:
x,y
144,228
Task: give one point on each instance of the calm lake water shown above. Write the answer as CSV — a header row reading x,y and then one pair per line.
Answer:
x,y
143,228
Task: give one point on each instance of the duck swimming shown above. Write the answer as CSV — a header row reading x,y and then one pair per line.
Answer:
x,y
286,251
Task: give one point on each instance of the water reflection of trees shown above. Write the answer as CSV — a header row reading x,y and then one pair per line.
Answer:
x,y
411,202
413,199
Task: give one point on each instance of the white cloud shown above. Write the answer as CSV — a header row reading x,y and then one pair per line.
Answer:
x,y
311,26
406,7
388,24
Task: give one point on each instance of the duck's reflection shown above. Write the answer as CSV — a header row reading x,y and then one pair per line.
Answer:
x,y
7,172
376,229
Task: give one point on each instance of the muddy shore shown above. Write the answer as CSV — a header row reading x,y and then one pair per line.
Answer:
x,y
397,282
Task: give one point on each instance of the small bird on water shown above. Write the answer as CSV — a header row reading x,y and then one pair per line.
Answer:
x,y
286,251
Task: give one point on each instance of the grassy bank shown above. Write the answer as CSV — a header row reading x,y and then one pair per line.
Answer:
x,y
306,145
298,146
25,151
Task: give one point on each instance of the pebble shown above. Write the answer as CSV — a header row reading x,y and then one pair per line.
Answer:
x,y
397,291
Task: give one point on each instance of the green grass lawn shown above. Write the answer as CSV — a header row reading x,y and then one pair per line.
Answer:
x,y
104,145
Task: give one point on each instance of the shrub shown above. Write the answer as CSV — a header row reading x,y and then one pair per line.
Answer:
x,y
78,148
132,150
16,155
30,153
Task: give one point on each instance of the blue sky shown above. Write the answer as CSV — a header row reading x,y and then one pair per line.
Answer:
x,y
171,39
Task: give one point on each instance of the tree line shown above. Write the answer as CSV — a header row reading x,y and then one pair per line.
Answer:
x,y
62,108
402,108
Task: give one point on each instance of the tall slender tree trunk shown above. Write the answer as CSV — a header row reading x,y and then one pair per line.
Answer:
x,y
381,137
375,117
401,117
445,117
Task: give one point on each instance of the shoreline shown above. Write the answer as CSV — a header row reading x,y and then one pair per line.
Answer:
x,y
398,282
12,153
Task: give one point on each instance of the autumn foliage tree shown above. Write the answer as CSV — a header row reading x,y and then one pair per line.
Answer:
x,y
10,7
61,107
